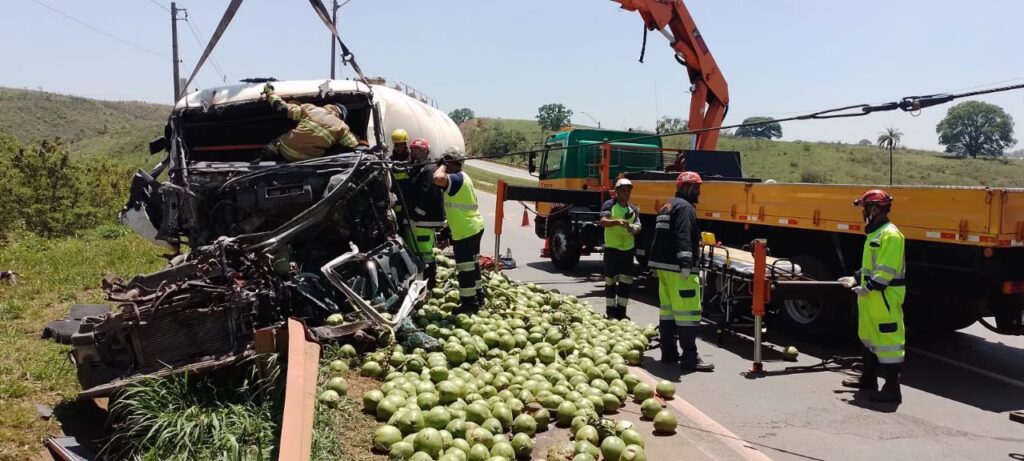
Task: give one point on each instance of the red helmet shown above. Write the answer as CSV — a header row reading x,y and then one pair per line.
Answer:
x,y
877,197
688,177
419,143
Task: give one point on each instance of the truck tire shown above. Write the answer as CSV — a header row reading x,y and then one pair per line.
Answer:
x,y
817,320
565,250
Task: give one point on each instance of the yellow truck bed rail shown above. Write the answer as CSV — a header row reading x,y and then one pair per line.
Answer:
x,y
972,216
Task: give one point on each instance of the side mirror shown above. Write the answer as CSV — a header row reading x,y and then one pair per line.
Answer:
x,y
157,145
532,164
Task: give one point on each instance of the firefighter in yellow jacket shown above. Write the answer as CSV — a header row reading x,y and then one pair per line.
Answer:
x,y
318,129
881,288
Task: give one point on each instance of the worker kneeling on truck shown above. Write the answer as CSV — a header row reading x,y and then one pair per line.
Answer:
x,y
621,222
318,129
673,255
881,288
466,226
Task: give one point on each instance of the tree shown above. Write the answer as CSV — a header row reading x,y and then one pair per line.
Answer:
x,y
974,128
496,138
864,142
671,125
460,116
764,131
552,117
888,139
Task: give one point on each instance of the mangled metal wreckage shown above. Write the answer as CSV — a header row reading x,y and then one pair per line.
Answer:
x,y
269,241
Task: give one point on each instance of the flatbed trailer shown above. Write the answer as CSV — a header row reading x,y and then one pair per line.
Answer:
x,y
965,245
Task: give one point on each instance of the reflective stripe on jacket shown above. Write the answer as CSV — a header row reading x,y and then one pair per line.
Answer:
x,y
464,218
674,246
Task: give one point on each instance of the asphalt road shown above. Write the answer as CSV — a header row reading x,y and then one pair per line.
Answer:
x,y
957,388
501,169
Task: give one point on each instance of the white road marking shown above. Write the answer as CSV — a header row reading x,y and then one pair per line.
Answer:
x,y
978,370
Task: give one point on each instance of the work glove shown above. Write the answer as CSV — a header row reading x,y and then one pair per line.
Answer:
x,y
268,89
848,282
860,291
634,229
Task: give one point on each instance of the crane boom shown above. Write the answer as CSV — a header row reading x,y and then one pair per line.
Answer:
x,y
709,98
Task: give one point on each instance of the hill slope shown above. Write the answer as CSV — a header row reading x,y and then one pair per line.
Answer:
x,y
800,161
116,129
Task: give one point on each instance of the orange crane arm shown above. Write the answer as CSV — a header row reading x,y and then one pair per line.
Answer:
x,y
710,93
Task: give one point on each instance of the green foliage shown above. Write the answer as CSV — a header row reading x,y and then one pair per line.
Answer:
x,y
44,190
460,116
553,117
765,131
671,125
229,415
864,142
90,127
495,137
974,128
486,181
889,138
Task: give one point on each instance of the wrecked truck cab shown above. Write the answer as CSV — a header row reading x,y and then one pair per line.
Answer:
x,y
269,240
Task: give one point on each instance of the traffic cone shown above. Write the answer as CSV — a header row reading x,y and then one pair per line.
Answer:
x,y
526,219
546,251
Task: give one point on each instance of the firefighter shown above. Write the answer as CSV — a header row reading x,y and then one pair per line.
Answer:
x,y
881,288
426,206
674,255
318,129
466,226
621,222
400,139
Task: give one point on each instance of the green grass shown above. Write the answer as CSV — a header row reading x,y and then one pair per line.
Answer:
x,y
832,163
54,273
229,414
114,129
487,181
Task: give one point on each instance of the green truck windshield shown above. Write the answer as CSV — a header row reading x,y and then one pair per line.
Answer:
x,y
582,155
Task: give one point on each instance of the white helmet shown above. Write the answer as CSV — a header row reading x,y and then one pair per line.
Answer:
x,y
623,182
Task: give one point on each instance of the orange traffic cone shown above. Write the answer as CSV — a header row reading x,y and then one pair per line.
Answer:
x,y
546,251
526,219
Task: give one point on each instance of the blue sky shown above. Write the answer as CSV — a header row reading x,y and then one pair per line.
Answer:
x,y
506,58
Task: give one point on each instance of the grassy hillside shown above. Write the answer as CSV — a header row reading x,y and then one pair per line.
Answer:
x,y
800,161
121,130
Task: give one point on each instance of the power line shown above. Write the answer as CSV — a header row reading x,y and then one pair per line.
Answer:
x,y
197,35
159,5
109,35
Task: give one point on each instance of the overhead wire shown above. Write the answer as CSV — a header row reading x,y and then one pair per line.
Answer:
x,y
911,104
98,30
196,34
159,5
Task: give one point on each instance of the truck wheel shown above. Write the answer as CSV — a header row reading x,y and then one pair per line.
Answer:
x,y
565,251
816,319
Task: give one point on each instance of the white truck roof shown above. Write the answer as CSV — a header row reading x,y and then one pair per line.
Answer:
x,y
397,110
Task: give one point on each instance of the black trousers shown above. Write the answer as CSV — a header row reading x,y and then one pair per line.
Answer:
x,y
467,263
618,281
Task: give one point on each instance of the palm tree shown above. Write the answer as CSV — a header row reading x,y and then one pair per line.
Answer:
x,y
888,139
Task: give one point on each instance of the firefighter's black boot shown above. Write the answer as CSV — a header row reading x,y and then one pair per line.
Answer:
x,y
890,392
868,379
669,348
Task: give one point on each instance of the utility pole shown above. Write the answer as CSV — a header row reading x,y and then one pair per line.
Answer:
x,y
334,20
174,51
